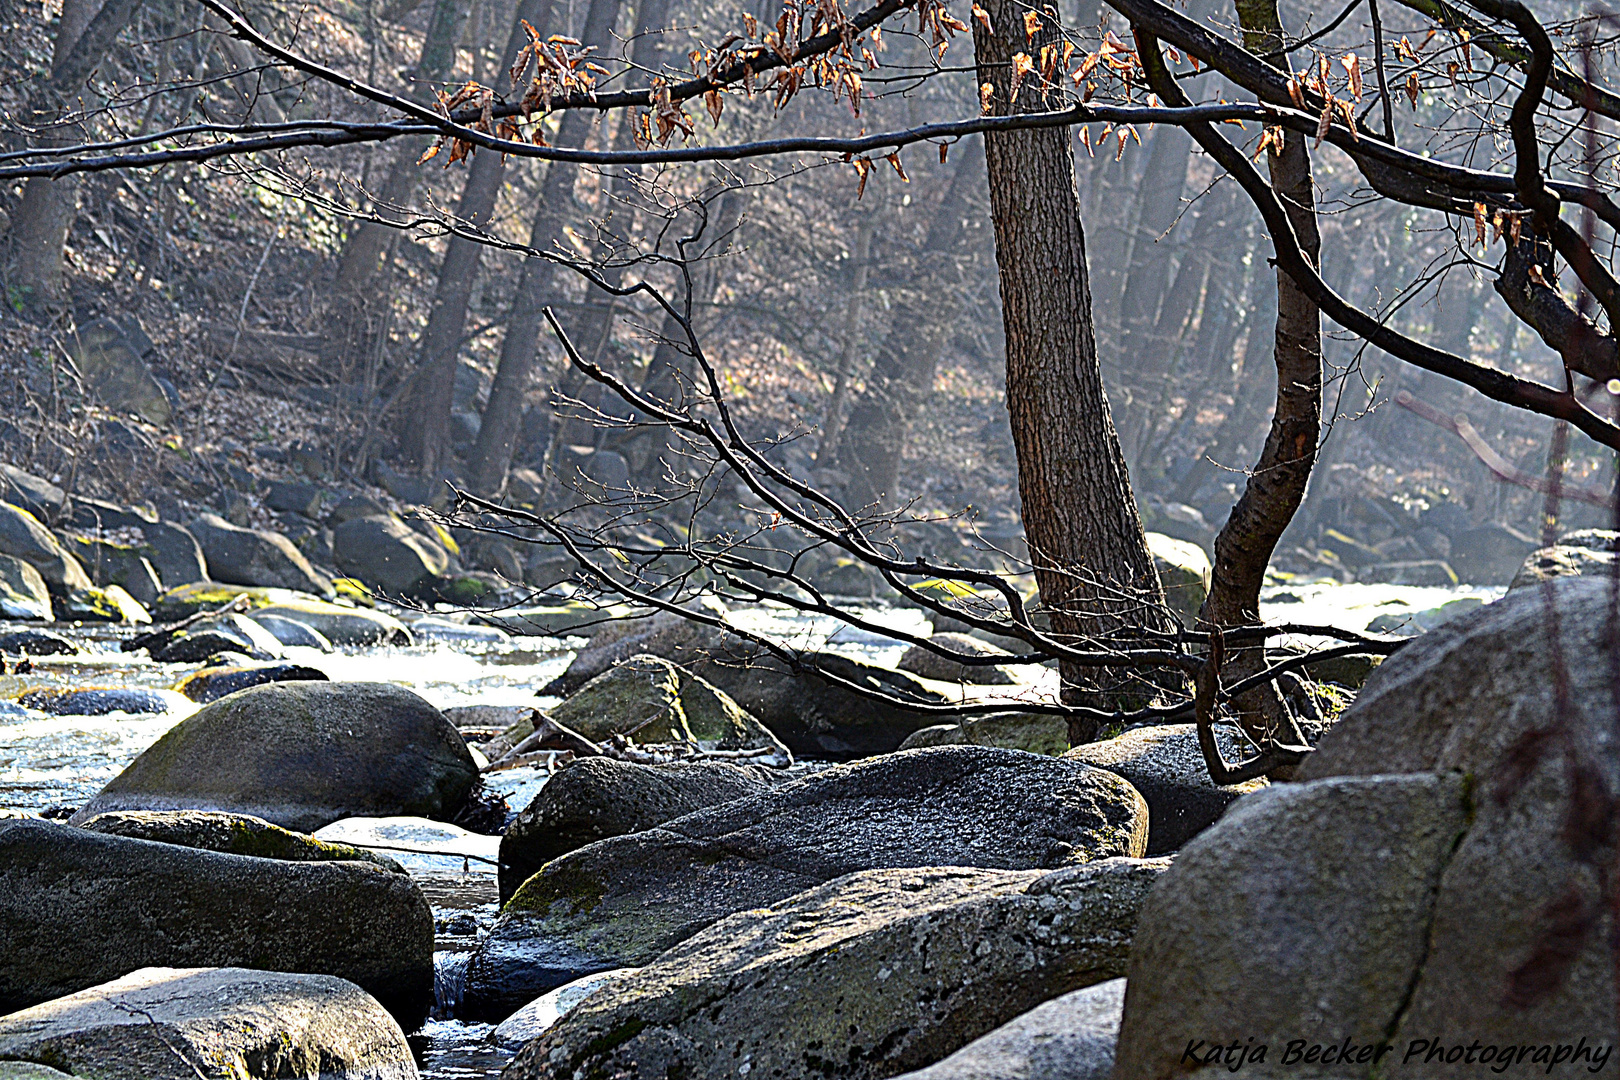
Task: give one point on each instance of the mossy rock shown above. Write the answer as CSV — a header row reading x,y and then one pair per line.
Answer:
x,y
101,604
231,834
651,700
302,755
184,601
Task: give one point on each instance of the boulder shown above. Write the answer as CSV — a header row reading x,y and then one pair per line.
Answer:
x,y
293,497
338,624
387,554
37,643
354,506
1165,764
229,632
100,604
863,977
172,551
22,536
108,563
38,496
1184,571
652,701
114,368
1069,1038
184,601
1304,914
251,557
95,700
428,628
817,718
301,755
1589,551
23,593
230,834
592,799
78,908
616,638
1489,554
292,632
621,901
213,683
535,1018
920,660
1035,732
157,1022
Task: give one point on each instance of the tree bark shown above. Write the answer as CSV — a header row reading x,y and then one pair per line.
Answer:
x,y
40,227
350,308
1276,487
503,415
1080,518
903,370
427,438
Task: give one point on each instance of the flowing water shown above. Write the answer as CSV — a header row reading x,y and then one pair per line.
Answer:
x,y
52,762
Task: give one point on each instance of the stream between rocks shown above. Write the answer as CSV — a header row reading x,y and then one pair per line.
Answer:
x,y
52,762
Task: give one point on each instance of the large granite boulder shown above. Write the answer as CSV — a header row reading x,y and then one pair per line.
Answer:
x,y
232,834
78,908
252,557
622,901
1165,764
1068,1038
1430,883
161,1023
22,536
862,977
650,700
301,755
110,563
171,549
615,638
388,555
595,798
23,592
921,660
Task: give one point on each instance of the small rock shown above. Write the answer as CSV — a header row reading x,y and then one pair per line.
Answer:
x,y
249,557
154,1023
37,643
95,701
23,593
920,660
653,701
592,799
230,834
1166,765
1184,571
1034,732
292,632
38,496
213,683
537,1017
302,755
863,977
294,498
1069,1038
115,369
101,604
22,536
387,554
78,908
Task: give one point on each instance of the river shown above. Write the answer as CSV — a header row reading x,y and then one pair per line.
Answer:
x,y
51,762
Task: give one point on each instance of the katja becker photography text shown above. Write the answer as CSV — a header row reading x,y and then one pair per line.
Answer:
x,y
1236,1055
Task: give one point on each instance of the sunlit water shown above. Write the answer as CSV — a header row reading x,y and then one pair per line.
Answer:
x,y
51,762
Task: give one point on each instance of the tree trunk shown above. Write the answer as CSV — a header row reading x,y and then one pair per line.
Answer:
x,y
503,415
40,227
903,370
1276,487
427,436
1080,519
352,300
